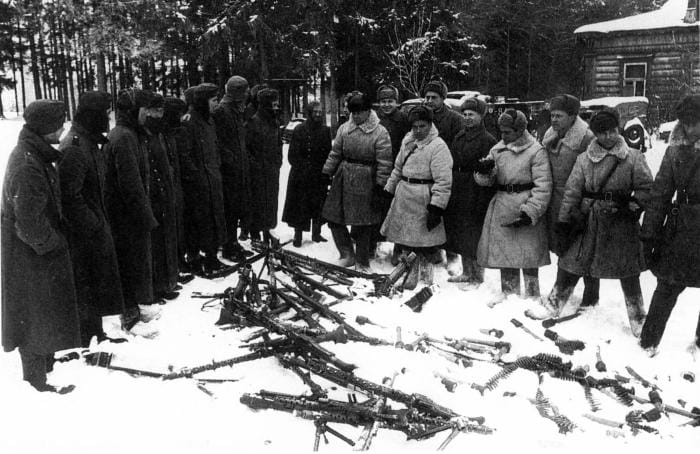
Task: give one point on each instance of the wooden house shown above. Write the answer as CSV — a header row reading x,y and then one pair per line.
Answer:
x,y
654,54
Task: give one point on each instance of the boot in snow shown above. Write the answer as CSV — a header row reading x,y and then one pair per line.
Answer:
x,y
411,279
316,231
532,286
343,242
297,238
472,273
426,273
549,307
635,312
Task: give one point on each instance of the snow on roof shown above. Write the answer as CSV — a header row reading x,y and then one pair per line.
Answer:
x,y
671,14
612,101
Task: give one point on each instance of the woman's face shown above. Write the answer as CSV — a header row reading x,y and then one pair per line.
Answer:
x,y
420,129
608,139
509,134
360,117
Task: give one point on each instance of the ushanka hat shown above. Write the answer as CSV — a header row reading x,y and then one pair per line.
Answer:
x,y
387,92
237,88
419,113
45,116
512,118
567,103
473,104
267,96
97,101
358,102
604,120
436,86
688,110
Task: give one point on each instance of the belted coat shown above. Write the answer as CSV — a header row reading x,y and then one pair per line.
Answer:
x,y
464,216
39,309
609,248
675,233
359,160
306,190
264,142
520,162
427,159
562,153
81,173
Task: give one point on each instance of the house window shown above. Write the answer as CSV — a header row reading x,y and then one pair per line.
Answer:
x,y
634,79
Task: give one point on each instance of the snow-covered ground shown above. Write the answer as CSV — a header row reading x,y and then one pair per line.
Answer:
x,y
115,412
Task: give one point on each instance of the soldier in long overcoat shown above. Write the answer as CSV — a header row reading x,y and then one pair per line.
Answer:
x,y
514,236
360,164
235,168
608,186
127,198
81,172
671,228
307,186
264,144
39,310
420,182
447,121
567,137
464,215
202,184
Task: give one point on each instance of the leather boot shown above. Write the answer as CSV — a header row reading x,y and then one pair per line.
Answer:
x,y
343,242
426,274
635,313
316,231
297,238
411,280
532,284
471,272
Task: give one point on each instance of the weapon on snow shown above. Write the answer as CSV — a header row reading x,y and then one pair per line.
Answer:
x,y
519,324
362,320
385,285
548,323
566,346
599,364
417,301
492,332
640,379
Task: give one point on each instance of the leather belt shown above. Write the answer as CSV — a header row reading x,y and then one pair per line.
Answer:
x,y
608,196
359,161
416,180
512,188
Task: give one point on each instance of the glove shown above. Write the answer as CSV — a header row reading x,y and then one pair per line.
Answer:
x,y
521,221
434,216
381,199
484,166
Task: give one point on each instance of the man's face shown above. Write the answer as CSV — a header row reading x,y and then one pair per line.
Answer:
x,y
433,100
608,139
153,112
317,114
561,121
692,131
388,105
472,118
360,117
509,134
213,102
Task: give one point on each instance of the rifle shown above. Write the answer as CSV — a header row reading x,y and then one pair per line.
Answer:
x,y
384,286
299,277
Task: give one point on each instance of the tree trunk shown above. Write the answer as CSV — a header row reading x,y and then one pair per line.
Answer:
x,y
101,71
34,63
21,65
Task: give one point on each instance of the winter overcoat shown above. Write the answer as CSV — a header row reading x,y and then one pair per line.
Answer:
x,y
397,125
675,233
520,162
264,143
610,246
171,144
129,208
562,156
464,217
201,184
448,123
306,189
82,176
163,199
427,159
359,161
235,165
39,310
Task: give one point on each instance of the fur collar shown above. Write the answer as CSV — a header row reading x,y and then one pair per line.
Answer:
x,y
596,153
678,138
571,139
521,143
368,126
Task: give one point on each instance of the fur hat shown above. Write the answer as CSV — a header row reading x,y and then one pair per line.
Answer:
x,y
567,103
95,101
358,102
419,113
204,92
512,118
605,120
45,116
134,99
473,104
237,88
267,96
688,110
387,92
436,86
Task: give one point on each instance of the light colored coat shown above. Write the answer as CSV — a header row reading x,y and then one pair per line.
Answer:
x,y
427,159
562,156
519,162
610,246
350,196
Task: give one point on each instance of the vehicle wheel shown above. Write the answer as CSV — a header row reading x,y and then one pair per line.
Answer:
x,y
634,136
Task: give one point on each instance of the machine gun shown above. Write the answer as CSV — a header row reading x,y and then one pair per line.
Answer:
x,y
384,286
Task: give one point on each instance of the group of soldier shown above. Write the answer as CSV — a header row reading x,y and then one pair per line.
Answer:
x,y
105,225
